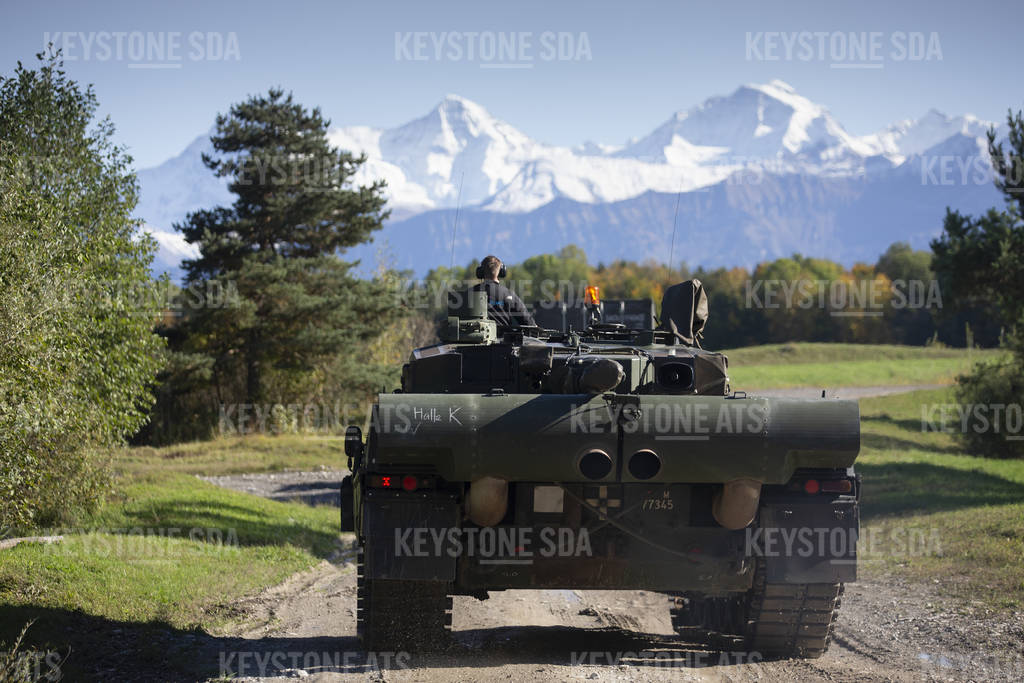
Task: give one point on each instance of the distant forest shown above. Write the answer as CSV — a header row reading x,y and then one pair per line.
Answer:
x,y
896,300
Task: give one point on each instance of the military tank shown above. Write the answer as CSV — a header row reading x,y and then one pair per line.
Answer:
x,y
601,458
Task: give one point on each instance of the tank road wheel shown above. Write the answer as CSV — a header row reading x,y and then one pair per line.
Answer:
x,y
394,615
791,619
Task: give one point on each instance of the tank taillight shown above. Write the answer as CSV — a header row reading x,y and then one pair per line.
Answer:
x,y
405,482
814,486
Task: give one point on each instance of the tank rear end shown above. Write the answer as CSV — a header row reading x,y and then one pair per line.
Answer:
x,y
618,460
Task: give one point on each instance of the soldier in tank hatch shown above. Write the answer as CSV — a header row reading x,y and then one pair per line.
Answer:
x,y
503,306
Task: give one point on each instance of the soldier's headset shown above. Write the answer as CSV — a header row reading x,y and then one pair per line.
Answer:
x,y
483,273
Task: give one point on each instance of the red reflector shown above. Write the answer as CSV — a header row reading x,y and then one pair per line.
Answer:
x,y
385,482
840,486
811,486
409,482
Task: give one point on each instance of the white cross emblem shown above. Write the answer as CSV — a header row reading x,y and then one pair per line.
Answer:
x,y
602,502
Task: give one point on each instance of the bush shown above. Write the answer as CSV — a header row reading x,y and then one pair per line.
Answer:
x,y
76,353
990,387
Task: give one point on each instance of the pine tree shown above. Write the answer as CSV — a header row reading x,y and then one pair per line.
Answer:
x,y
277,246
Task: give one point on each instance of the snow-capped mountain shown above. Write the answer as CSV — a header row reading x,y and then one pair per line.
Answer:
x,y
460,153
426,160
757,157
911,136
762,122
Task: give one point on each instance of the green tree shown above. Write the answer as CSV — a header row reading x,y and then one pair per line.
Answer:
x,y
982,258
793,295
902,262
276,247
733,321
561,276
77,303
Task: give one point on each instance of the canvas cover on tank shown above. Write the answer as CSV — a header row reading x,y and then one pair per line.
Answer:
x,y
684,311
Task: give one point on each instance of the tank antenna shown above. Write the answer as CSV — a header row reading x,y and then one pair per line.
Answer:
x,y
455,228
675,217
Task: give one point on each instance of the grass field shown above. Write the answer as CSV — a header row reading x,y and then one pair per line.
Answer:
x,y
932,513
847,365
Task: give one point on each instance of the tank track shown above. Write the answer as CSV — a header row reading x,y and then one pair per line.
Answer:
x,y
396,615
775,620
791,619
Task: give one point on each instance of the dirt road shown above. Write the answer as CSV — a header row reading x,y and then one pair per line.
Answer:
x,y
888,630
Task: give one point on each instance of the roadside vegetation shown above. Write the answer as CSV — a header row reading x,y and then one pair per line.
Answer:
x,y
805,352
168,551
76,354
180,551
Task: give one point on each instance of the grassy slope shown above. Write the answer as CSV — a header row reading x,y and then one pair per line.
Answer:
x,y
178,550
837,365
966,512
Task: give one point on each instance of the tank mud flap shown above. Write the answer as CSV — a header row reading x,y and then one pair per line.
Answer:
x,y
348,522
807,542
409,539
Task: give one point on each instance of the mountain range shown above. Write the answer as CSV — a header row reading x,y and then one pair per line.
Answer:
x,y
757,174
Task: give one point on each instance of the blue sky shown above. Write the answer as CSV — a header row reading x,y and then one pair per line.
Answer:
x,y
624,67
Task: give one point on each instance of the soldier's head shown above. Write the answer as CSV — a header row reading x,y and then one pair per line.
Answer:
x,y
491,268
